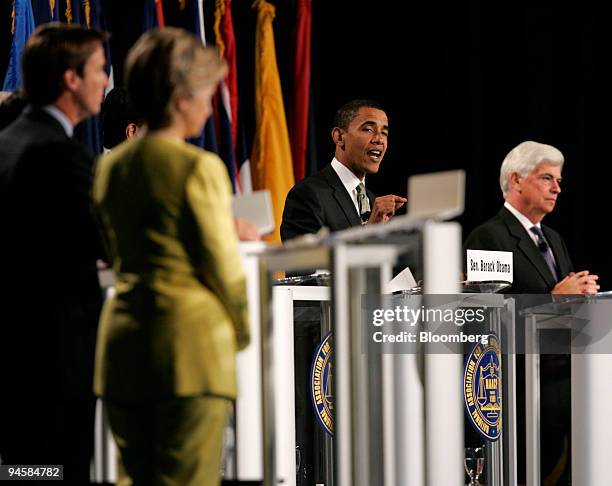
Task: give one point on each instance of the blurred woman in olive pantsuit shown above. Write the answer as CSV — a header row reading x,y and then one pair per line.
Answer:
x,y
165,363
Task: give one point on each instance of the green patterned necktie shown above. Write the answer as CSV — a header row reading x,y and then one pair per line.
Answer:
x,y
363,202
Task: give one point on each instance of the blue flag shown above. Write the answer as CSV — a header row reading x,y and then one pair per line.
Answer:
x,y
23,26
43,13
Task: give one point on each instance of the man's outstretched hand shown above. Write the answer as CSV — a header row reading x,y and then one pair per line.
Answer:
x,y
385,207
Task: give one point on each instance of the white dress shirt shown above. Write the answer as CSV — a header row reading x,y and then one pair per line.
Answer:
x,y
61,117
524,220
349,180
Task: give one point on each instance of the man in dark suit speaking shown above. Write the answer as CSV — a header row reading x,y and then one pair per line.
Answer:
x,y
49,292
337,197
530,179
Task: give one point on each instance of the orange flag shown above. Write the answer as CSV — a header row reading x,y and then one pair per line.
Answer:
x,y
271,158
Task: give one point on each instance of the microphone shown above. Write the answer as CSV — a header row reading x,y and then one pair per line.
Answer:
x,y
365,216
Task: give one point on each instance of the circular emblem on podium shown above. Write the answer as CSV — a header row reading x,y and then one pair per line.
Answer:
x,y
321,384
482,388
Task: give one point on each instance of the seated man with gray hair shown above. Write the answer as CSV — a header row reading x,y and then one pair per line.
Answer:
x,y
530,180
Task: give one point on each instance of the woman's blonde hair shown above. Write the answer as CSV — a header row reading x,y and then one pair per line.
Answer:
x,y
164,65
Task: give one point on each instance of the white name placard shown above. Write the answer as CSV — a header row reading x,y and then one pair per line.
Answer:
x,y
483,266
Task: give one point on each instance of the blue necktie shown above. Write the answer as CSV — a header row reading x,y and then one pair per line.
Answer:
x,y
546,251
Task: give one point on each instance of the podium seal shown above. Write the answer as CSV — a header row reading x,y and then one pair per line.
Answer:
x,y
321,384
482,388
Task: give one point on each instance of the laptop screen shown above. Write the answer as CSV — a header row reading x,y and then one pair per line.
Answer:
x,y
437,195
256,208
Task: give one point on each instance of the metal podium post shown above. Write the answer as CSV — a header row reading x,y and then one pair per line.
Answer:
x,y
589,318
391,424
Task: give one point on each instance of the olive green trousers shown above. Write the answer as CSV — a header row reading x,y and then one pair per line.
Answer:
x,y
172,442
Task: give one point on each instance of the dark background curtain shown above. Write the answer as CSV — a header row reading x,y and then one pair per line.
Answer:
x,y
466,81
463,83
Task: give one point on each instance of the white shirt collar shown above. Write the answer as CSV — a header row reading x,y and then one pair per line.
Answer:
x,y
61,117
524,220
349,180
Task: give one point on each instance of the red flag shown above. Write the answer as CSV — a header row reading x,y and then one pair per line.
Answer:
x,y
298,121
160,13
224,32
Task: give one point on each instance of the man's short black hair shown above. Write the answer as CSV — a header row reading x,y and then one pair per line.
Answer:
x,y
347,112
117,113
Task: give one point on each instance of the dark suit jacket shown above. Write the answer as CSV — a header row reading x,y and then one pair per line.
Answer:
x,y
317,201
48,250
531,274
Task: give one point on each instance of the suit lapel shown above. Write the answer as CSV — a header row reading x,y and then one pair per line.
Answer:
x,y
341,196
526,245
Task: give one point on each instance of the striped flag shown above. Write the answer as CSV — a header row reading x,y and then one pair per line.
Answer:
x,y
224,36
271,156
229,127
22,27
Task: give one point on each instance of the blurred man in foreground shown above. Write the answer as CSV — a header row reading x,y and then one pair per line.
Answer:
x,y
50,294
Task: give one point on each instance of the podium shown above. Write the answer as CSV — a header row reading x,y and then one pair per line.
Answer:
x,y
589,318
389,427
399,418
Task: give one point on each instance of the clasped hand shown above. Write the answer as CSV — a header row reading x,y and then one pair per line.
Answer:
x,y
577,283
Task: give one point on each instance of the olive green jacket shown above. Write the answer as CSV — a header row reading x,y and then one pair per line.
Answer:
x,y
179,313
